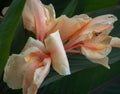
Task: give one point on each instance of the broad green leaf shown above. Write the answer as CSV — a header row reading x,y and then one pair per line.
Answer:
x,y
112,86
83,81
91,5
69,10
18,43
7,28
20,38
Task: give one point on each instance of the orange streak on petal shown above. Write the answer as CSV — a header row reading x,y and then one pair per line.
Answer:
x,y
94,46
39,54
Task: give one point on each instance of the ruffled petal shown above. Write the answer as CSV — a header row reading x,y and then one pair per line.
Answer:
x,y
34,43
50,13
35,74
38,18
93,54
42,72
98,43
20,70
102,61
100,24
68,26
41,21
28,75
59,59
28,15
105,19
100,32
13,72
50,18
115,42
29,51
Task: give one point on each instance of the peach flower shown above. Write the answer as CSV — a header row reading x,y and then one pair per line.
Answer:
x,y
93,40
28,69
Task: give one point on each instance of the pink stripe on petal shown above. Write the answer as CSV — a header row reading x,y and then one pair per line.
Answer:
x,y
28,76
34,75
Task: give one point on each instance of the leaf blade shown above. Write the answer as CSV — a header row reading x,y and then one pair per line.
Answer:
x,y
7,29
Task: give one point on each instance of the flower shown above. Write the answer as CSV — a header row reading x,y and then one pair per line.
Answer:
x,y
41,20
93,41
80,33
68,26
38,18
28,69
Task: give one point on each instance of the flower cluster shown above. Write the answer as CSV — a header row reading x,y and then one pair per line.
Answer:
x,y
54,37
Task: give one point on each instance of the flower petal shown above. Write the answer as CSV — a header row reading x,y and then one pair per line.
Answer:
x,y
4,10
13,72
34,43
50,13
50,17
98,43
59,59
65,25
34,75
42,72
43,21
102,61
99,26
28,75
28,15
103,19
115,42
33,52
38,18
93,54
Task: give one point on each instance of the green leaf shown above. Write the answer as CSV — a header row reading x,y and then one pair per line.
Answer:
x,y
83,81
7,29
81,6
91,5
20,38
110,87
69,10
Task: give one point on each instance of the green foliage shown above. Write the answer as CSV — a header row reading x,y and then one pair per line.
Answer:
x,y
69,10
7,28
81,6
20,38
83,82
92,5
